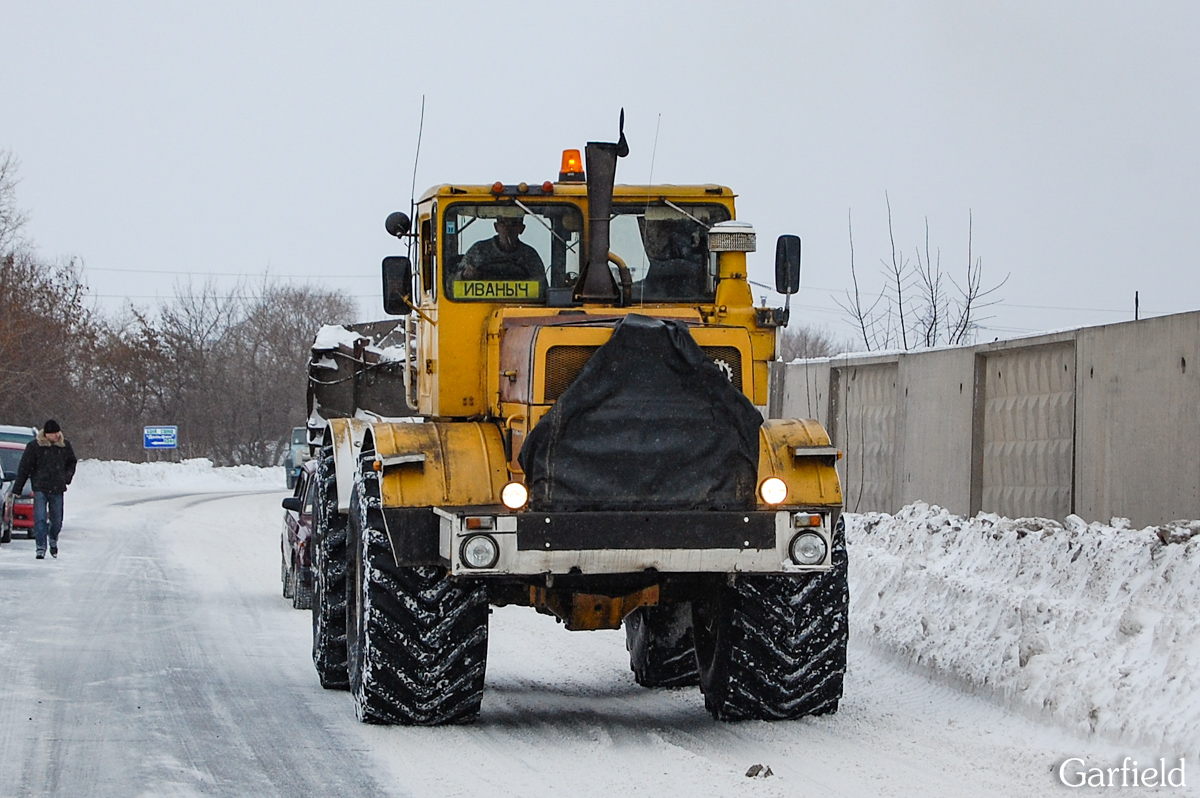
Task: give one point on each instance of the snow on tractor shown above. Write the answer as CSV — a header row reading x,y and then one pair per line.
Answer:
x,y
566,416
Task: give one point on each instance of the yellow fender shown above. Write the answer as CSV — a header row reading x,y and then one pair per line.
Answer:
x,y
460,464
346,436
435,464
799,452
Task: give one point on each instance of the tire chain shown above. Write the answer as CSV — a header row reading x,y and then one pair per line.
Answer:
x,y
424,642
329,582
785,644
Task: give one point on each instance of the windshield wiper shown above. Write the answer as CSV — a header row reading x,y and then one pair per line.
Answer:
x,y
705,225
545,224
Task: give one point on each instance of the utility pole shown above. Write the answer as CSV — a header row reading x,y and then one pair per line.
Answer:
x,y
1135,306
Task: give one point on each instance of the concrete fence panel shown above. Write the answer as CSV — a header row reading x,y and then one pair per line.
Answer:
x,y
1029,431
1138,448
936,393
800,390
863,425
1099,421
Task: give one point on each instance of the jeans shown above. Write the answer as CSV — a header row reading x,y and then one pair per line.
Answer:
x,y
47,519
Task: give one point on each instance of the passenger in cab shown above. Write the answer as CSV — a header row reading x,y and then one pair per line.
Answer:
x,y
678,261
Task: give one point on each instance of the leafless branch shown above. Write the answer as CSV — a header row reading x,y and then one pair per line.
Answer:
x,y
915,308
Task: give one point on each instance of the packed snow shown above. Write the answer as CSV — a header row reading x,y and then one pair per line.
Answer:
x,y
984,653
1094,626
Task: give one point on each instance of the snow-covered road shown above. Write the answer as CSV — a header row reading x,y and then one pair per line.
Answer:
x,y
156,657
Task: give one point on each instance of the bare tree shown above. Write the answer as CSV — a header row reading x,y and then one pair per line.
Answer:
x,y
12,219
805,342
227,367
915,308
268,351
43,324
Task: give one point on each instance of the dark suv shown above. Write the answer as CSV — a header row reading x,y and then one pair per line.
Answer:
x,y
296,569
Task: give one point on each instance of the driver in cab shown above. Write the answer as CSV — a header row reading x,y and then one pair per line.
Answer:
x,y
505,256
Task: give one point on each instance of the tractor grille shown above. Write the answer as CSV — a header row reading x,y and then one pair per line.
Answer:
x,y
563,364
729,359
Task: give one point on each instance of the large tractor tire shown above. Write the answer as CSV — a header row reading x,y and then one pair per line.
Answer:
x,y
418,639
662,652
329,580
774,647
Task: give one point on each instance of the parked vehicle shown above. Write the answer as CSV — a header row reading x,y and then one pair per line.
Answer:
x,y
296,566
21,435
296,456
18,510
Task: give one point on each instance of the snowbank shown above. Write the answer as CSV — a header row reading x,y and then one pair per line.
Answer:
x,y
195,474
1097,626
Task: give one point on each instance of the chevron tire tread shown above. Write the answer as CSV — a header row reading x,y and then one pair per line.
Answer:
x,y
662,651
418,651
329,580
774,647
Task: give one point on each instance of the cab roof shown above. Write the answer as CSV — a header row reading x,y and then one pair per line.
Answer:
x,y
621,191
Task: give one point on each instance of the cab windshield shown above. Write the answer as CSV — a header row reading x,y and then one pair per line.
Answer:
x,y
509,253
666,250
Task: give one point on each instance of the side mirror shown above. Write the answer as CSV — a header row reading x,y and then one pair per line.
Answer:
x,y
397,224
292,503
787,264
10,476
397,285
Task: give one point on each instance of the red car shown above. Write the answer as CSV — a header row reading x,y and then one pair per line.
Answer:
x,y
296,567
18,510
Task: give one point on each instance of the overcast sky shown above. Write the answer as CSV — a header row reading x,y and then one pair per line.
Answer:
x,y
165,141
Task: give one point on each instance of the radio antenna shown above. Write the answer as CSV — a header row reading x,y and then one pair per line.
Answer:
x,y
649,184
412,202
653,155
417,157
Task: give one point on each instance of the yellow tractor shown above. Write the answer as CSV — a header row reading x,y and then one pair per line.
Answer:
x,y
575,426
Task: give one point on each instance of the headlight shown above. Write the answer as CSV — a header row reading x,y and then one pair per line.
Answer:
x,y
480,551
515,495
808,548
773,490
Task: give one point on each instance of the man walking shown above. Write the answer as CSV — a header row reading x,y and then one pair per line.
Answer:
x,y
49,465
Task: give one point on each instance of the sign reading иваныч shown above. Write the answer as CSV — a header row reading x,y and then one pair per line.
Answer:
x,y
496,289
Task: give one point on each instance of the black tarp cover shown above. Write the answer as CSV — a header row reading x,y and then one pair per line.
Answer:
x,y
650,423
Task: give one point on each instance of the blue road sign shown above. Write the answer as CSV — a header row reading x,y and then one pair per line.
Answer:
x,y
160,437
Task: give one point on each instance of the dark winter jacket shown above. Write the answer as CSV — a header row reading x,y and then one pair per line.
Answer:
x,y
49,467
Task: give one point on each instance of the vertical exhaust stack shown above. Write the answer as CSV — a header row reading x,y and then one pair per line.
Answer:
x,y
596,284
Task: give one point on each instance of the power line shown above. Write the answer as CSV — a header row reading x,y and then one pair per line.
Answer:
x,y
226,274
822,289
201,296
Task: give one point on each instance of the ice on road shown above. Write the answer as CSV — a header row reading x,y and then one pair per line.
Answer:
x,y
157,657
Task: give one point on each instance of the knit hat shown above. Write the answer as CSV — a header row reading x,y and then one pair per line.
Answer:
x,y
51,426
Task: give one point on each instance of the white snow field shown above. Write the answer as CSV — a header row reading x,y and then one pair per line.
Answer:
x,y
1096,627
156,657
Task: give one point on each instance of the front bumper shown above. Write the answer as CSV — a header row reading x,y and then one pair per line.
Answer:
x,y
531,544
